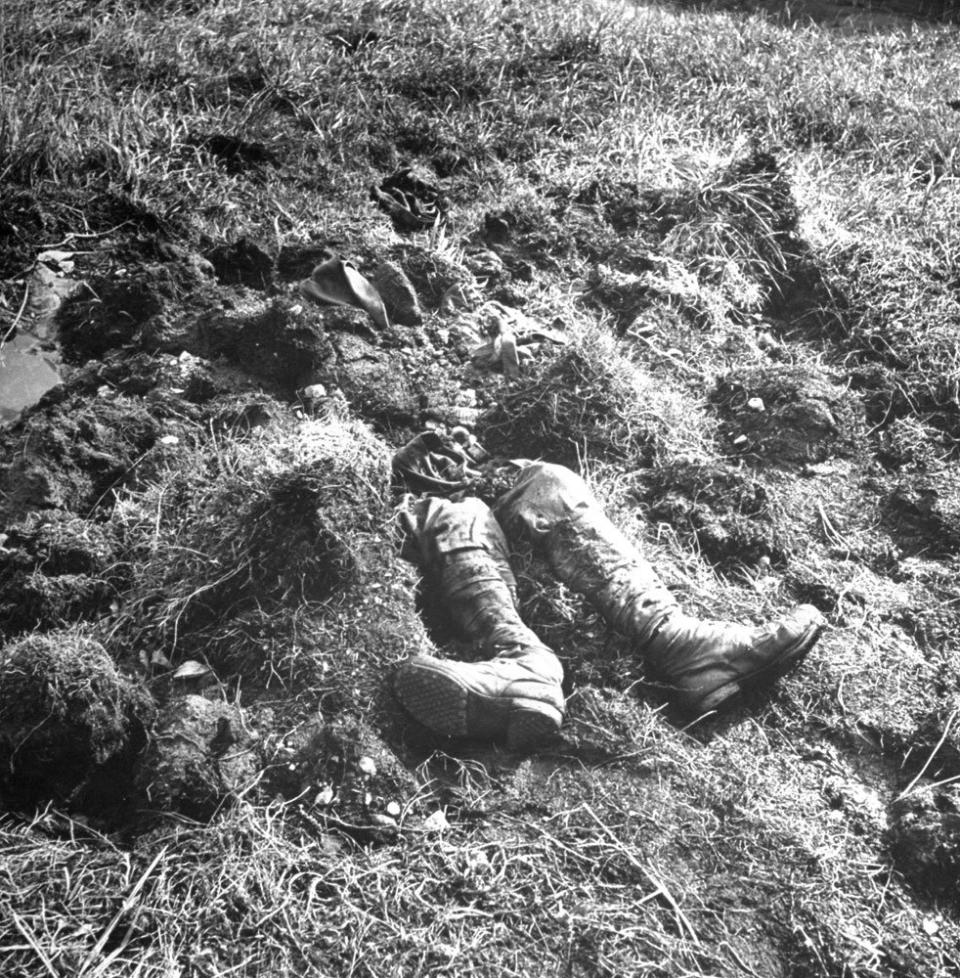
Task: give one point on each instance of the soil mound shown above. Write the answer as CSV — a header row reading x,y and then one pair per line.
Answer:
x,y
55,568
65,712
924,838
201,752
789,416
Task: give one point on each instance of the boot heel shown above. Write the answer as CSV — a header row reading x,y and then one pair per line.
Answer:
x,y
531,723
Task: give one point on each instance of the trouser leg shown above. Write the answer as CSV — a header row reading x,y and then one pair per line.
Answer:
x,y
515,695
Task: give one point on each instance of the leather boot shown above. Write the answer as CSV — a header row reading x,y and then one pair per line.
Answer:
x,y
705,664
516,696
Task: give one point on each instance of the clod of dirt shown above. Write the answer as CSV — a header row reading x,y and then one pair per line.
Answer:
x,y
729,514
243,262
805,417
925,508
129,309
399,296
55,568
201,753
65,711
279,342
373,385
70,455
924,839
348,776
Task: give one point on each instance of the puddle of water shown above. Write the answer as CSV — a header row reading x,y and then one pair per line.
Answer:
x,y
26,374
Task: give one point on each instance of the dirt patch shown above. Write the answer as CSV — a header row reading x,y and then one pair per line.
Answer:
x,y
789,416
387,397
280,342
56,568
731,516
347,778
71,455
127,310
924,511
201,752
924,840
243,262
65,713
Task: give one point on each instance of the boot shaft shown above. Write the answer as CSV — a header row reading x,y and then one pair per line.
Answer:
x,y
705,664
553,508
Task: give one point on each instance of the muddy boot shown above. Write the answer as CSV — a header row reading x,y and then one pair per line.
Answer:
x,y
705,664
516,696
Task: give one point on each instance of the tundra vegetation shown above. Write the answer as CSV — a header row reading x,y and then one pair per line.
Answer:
x,y
739,235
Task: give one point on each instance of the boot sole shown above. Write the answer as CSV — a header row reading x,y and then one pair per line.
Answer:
x,y
726,696
448,706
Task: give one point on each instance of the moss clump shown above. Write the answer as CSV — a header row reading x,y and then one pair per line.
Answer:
x,y
65,711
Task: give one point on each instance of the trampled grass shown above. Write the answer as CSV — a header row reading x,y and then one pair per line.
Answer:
x,y
710,207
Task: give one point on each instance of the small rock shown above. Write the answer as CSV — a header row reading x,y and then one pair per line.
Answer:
x,y
382,821
755,404
367,767
437,822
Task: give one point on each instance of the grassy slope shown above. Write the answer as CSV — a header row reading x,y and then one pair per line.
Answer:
x,y
757,846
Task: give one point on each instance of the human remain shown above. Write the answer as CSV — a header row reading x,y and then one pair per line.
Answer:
x,y
515,694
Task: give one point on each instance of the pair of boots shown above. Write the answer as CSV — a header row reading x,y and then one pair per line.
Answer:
x,y
516,695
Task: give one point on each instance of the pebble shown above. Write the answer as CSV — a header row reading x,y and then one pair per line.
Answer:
x,y
756,404
367,767
437,822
